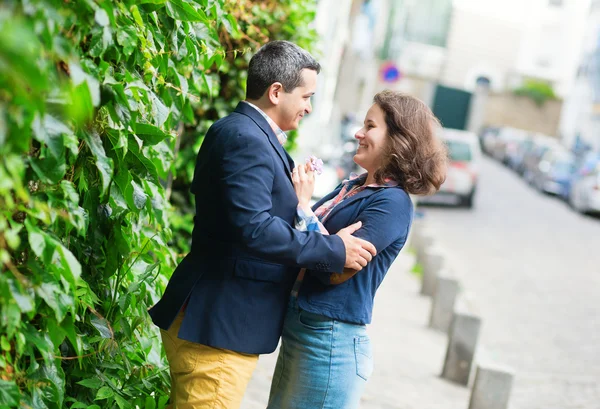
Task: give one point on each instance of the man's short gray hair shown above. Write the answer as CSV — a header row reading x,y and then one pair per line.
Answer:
x,y
278,61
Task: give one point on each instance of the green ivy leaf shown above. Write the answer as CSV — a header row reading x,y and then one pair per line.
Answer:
x,y
139,196
22,297
92,383
70,264
101,17
9,394
55,298
150,133
37,240
102,326
50,169
104,393
78,76
50,130
4,344
103,163
122,403
127,38
232,27
180,10
150,403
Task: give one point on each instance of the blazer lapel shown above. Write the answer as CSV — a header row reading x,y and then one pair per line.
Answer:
x,y
290,160
360,195
247,110
327,197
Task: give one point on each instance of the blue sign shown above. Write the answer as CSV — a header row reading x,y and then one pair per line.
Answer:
x,y
389,72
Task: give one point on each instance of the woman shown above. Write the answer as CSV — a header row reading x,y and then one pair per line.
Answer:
x,y
325,357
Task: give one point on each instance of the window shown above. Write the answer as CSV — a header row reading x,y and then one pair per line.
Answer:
x,y
459,152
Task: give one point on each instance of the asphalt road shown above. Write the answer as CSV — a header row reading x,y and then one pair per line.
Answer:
x,y
530,267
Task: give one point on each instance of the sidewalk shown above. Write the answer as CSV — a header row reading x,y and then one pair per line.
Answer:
x,y
408,356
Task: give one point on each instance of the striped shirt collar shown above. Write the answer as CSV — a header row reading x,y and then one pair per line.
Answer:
x,y
281,136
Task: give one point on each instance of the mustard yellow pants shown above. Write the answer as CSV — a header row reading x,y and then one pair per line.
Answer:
x,y
204,377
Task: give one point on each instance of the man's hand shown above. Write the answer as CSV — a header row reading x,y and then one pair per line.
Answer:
x,y
339,278
358,251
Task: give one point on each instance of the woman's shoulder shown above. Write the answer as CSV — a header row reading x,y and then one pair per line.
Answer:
x,y
394,195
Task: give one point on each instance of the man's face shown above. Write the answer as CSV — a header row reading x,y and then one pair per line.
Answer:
x,y
294,105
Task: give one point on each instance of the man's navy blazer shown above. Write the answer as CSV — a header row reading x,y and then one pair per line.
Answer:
x,y
245,254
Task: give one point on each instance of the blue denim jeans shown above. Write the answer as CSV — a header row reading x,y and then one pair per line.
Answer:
x,y
322,364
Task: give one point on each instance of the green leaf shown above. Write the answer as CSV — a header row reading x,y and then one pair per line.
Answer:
x,y
4,344
9,394
23,298
12,237
103,163
127,38
150,133
55,376
137,16
139,196
55,298
36,239
159,110
122,403
232,27
101,17
72,268
49,130
78,76
104,393
69,190
102,326
180,10
150,403
92,383
49,169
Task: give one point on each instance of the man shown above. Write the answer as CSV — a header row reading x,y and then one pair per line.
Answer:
x,y
225,302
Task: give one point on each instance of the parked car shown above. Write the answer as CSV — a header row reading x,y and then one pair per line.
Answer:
x,y
554,172
515,157
533,157
463,171
487,138
584,193
506,142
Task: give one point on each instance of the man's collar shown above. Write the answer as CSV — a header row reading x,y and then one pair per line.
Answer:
x,y
281,136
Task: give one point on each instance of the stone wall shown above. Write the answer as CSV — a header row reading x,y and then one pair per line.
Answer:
x,y
522,113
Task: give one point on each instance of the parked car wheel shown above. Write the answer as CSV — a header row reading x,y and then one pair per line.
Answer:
x,y
467,201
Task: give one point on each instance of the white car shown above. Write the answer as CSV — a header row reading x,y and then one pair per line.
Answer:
x,y
463,170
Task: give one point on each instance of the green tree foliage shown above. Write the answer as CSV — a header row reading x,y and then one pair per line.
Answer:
x,y
538,91
102,109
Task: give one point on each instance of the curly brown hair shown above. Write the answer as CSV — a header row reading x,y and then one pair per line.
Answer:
x,y
414,156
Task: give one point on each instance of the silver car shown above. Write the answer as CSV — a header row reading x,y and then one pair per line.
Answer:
x,y
584,195
461,180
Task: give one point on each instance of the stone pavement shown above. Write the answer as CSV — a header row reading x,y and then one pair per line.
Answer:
x,y
408,355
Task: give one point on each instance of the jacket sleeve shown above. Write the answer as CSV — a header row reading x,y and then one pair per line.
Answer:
x,y
246,177
387,218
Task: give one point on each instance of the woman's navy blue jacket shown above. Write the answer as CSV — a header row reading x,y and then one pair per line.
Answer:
x,y
386,214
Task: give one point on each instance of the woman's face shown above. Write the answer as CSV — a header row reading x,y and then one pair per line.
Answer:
x,y
372,139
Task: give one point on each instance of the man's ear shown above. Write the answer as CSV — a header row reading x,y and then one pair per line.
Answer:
x,y
274,92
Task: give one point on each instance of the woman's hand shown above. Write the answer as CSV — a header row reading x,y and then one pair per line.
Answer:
x,y
304,184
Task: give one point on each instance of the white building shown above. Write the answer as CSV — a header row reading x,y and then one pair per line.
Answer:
x,y
513,40
580,116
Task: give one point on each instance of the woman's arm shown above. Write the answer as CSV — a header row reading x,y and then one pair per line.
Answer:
x,y
306,220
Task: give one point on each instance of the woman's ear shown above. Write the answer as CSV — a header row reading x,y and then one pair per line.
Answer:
x,y
274,92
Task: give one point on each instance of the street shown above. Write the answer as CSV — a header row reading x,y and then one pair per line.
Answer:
x,y
530,267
